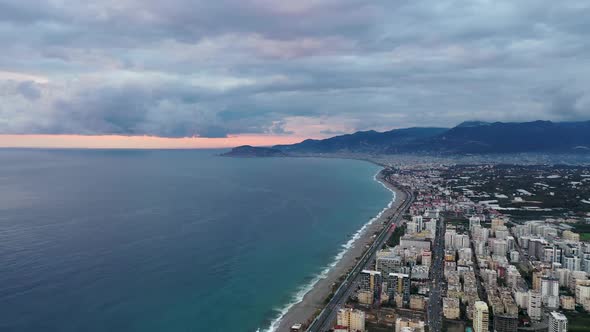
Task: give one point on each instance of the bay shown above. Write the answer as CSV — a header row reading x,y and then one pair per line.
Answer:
x,y
157,240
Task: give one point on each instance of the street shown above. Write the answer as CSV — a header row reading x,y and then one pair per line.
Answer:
x,y
434,311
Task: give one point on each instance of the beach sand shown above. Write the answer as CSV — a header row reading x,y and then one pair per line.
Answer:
x,y
314,299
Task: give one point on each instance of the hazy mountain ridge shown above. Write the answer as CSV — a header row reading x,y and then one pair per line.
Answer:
x,y
363,141
470,137
251,151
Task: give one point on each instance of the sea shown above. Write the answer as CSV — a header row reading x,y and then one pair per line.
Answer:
x,y
170,240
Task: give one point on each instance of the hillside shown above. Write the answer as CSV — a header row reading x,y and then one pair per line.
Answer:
x,y
473,137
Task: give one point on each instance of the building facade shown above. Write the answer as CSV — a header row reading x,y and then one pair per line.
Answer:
x,y
557,322
370,289
352,319
481,317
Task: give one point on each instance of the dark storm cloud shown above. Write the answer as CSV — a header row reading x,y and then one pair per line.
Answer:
x,y
212,68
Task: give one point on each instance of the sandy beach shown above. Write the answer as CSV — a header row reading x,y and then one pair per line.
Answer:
x,y
314,299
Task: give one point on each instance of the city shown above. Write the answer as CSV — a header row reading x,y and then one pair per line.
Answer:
x,y
294,166
475,248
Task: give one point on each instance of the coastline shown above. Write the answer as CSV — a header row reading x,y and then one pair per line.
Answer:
x,y
314,295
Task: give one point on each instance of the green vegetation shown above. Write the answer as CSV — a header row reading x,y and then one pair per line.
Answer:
x,y
566,291
453,326
526,273
455,218
457,222
578,322
581,227
557,193
376,327
396,235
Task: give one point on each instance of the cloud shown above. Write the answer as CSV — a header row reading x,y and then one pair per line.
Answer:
x,y
29,90
182,68
568,104
22,77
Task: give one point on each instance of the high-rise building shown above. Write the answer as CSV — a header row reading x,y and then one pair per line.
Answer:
x,y
432,213
411,227
480,247
511,242
571,236
449,236
582,288
398,284
497,224
430,226
473,221
536,248
550,292
557,322
370,289
505,323
426,257
387,262
567,302
480,233
586,263
481,317
500,248
502,233
514,256
401,324
537,275
451,309
489,276
352,319
465,254
535,302
572,263
557,255
419,222
460,241
551,254
521,297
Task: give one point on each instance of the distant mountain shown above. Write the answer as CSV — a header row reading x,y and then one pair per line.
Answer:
x,y
472,137
363,141
472,124
250,151
498,137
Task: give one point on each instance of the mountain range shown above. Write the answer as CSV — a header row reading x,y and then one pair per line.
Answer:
x,y
472,137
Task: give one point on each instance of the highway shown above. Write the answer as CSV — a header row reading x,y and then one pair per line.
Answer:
x,y
326,318
434,311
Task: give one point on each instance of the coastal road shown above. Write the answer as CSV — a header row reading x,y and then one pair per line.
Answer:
x,y
323,322
434,312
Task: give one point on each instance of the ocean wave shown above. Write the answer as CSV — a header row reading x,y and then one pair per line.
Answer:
x,y
302,291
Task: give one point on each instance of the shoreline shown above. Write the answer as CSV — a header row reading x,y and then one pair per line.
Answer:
x,y
313,300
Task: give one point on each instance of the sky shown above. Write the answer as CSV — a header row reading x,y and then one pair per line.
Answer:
x,y
204,73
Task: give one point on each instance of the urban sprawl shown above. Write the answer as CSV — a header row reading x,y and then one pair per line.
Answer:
x,y
480,248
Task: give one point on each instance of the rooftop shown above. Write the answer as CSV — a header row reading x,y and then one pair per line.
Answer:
x,y
558,315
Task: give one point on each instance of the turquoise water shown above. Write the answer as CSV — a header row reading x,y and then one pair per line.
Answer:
x,y
102,240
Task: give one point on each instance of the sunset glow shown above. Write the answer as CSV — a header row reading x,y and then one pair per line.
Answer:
x,y
139,142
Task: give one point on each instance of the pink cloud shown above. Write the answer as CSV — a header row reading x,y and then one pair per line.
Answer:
x,y
140,142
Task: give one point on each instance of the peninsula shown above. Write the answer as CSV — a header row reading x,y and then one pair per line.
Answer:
x,y
247,151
